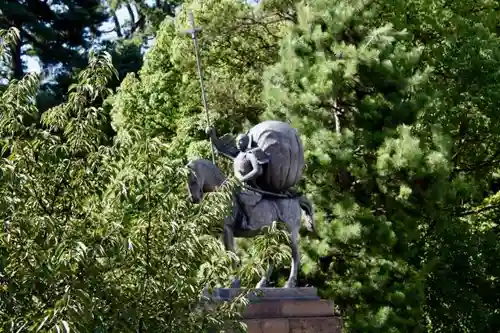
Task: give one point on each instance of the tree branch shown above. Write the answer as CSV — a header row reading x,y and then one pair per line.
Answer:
x,y
477,211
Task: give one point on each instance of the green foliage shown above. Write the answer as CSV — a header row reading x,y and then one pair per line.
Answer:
x,y
55,34
396,103
270,248
381,173
59,36
7,39
99,238
235,35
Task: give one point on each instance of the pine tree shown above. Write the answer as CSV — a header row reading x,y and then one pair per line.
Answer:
x,y
55,34
59,36
353,89
399,152
461,288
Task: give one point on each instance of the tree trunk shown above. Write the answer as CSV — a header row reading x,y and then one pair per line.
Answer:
x,y
131,13
17,62
118,28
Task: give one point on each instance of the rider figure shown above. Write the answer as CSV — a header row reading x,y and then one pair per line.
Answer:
x,y
248,164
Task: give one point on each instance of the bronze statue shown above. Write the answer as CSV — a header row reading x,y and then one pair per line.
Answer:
x,y
251,212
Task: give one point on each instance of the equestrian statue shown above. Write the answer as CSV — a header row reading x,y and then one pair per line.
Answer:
x,y
251,212
268,161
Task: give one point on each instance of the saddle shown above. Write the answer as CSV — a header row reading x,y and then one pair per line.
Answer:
x,y
253,198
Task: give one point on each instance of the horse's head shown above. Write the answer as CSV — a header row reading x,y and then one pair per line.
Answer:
x,y
204,176
194,184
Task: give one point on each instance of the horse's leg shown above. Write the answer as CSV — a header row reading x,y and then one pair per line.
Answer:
x,y
292,279
229,245
263,281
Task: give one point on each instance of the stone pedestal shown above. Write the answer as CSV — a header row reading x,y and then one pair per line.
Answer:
x,y
280,310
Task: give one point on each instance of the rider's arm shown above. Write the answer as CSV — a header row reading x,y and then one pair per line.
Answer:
x,y
256,168
220,145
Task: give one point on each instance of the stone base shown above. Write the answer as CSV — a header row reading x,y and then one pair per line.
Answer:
x,y
265,294
281,310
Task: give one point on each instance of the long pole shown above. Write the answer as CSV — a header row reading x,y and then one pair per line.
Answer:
x,y
194,35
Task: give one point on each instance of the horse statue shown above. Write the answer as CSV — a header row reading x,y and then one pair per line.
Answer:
x,y
251,212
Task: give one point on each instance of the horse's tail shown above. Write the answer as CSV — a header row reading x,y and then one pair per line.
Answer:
x,y
308,209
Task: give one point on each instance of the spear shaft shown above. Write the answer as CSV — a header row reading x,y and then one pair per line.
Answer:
x,y
194,35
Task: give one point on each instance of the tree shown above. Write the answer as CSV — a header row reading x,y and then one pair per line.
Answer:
x,y
462,87
167,91
396,103
59,36
354,90
388,139
368,105
99,238
144,17
55,34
